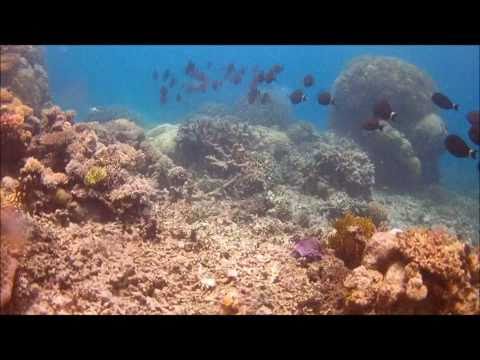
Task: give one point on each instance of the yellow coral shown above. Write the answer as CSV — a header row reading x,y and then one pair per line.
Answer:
x,y
5,96
349,240
95,176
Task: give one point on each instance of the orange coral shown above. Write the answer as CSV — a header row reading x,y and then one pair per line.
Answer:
x,y
12,104
350,238
416,271
439,253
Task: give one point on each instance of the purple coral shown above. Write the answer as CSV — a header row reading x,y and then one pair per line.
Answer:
x,y
308,248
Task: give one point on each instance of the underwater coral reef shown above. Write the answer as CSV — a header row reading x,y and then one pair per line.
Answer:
x,y
414,139
234,210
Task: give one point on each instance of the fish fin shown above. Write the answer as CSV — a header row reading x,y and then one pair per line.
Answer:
x,y
473,154
456,107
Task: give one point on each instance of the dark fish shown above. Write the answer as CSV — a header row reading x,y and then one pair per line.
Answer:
x,y
457,147
179,98
277,69
199,75
443,102
308,80
297,97
163,99
190,68
474,134
216,84
473,118
163,90
266,99
270,76
254,83
165,75
172,83
237,78
383,110
252,95
325,98
373,124
260,77
155,75
230,70
242,70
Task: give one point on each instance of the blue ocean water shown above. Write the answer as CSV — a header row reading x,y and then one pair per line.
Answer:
x,y
82,77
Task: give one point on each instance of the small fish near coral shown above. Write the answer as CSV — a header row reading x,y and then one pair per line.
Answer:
x,y
473,118
443,102
297,97
324,98
373,124
308,80
458,148
474,134
383,110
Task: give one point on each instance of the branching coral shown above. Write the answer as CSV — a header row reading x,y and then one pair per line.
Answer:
x,y
119,130
133,198
342,164
221,149
350,238
416,271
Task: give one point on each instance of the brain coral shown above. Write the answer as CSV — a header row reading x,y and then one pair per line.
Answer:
x,y
417,129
